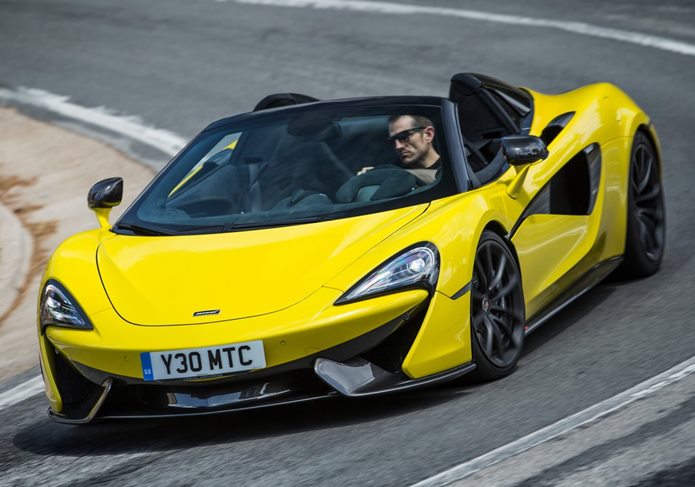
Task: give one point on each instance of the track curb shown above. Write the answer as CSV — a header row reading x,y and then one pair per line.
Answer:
x,y
16,249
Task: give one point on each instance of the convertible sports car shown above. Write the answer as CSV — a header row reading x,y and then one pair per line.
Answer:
x,y
295,252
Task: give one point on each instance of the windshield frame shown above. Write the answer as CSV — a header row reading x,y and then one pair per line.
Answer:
x,y
454,178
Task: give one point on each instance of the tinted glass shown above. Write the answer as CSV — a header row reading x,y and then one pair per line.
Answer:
x,y
290,167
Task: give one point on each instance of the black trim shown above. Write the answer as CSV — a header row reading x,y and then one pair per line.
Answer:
x,y
519,150
594,161
475,84
594,276
162,415
283,99
372,101
98,401
77,393
144,399
531,208
463,175
107,193
462,291
555,126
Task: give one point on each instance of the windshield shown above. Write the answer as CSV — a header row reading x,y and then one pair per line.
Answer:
x,y
297,166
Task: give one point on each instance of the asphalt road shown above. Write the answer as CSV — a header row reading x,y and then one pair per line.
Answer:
x,y
179,64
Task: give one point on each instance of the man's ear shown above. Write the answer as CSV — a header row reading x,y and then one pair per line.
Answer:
x,y
429,133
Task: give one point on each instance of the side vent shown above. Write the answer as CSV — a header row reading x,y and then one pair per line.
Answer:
x,y
573,190
555,126
593,159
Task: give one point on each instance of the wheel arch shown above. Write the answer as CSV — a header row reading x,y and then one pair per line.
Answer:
x,y
497,227
648,130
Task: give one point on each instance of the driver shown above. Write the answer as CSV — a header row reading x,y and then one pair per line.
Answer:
x,y
412,137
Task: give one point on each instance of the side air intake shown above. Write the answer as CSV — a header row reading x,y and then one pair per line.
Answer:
x,y
555,126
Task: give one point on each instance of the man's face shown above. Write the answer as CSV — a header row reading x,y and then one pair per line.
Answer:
x,y
411,145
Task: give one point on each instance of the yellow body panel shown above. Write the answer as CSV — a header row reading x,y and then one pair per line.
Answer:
x,y
445,338
549,246
164,281
46,361
279,285
544,260
78,262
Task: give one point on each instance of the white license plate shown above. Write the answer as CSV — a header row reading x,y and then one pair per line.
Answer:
x,y
201,362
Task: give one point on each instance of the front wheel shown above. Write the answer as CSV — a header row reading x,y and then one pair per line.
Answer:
x,y
497,309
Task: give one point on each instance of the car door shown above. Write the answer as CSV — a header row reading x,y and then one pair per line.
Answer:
x,y
552,207
555,230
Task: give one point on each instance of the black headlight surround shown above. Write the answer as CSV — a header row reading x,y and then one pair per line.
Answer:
x,y
44,318
421,284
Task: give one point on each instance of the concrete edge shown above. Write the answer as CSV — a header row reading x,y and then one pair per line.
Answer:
x,y
16,249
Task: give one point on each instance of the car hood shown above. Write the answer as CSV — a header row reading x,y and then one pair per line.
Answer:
x,y
178,280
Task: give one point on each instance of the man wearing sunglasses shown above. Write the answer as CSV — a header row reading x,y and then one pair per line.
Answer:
x,y
412,137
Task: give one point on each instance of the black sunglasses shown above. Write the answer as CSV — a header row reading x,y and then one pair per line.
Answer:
x,y
404,135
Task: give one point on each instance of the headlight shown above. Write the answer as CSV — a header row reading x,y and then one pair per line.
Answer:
x,y
417,266
61,309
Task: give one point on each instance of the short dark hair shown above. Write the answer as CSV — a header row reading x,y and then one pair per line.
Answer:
x,y
419,120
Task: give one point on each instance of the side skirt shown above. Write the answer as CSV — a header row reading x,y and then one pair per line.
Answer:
x,y
594,276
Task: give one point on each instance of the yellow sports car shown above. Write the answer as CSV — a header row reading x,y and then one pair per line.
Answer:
x,y
351,247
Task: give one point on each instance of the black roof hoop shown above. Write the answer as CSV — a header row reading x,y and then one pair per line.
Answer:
x,y
283,99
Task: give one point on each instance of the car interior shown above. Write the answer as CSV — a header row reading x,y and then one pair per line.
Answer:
x,y
313,161
295,166
483,124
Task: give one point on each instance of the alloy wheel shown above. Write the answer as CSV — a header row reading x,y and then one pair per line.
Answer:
x,y
497,304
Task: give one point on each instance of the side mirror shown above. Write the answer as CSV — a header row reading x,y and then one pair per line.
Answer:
x,y
103,196
106,193
523,149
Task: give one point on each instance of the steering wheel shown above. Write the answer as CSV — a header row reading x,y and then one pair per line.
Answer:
x,y
302,198
380,183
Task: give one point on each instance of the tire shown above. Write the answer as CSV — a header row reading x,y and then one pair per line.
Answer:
x,y
646,216
497,309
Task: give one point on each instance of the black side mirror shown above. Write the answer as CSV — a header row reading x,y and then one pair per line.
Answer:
x,y
106,193
523,149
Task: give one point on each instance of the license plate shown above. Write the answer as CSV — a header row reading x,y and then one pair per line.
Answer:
x,y
201,362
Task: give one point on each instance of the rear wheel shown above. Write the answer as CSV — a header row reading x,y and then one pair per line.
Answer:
x,y
646,222
497,309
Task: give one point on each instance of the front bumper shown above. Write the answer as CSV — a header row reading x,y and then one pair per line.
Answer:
x,y
365,365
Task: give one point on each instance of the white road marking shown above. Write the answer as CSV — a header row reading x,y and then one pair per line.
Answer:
x,y
23,391
554,430
582,28
131,127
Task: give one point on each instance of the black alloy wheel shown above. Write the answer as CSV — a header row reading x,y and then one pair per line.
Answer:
x,y
646,215
497,309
